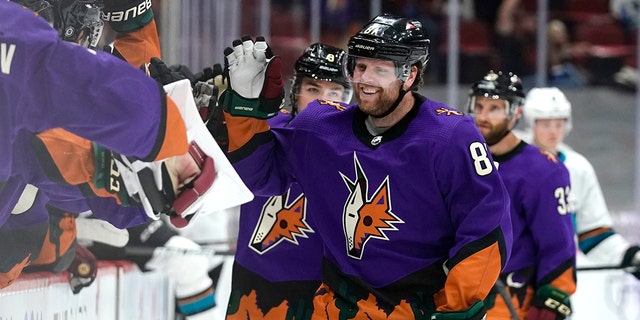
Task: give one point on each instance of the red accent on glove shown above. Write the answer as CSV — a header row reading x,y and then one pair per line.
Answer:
x,y
537,313
200,184
178,221
273,83
204,113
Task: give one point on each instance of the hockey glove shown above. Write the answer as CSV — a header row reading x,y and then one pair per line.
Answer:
x,y
83,269
214,75
147,182
160,72
214,120
549,303
107,176
631,260
256,87
127,15
206,98
185,71
220,77
476,312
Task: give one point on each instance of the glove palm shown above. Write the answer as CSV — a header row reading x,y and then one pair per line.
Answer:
x,y
256,88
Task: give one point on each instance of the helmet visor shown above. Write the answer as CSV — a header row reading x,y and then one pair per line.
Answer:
x,y
337,92
375,72
492,107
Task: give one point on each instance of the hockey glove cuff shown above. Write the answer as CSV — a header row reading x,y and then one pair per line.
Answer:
x,y
476,312
107,176
549,303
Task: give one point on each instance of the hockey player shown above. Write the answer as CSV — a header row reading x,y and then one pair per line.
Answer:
x,y
25,41
400,188
548,114
540,275
131,116
278,261
137,42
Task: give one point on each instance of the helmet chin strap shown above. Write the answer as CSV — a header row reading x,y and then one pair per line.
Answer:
x,y
395,104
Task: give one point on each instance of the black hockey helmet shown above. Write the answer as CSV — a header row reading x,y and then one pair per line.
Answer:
x,y
504,86
322,62
401,40
78,21
41,7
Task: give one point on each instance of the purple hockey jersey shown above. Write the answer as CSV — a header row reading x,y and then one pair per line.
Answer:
x,y
278,261
544,249
394,210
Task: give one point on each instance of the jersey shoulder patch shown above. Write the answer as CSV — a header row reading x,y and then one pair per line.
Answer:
x,y
336,105
549,156
447,112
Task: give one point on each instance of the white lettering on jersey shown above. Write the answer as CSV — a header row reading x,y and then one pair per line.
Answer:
x,y
130,13
6,56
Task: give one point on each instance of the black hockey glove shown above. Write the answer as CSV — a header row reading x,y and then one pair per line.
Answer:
x,y
214,119
631,260
185,71
256,87
160,72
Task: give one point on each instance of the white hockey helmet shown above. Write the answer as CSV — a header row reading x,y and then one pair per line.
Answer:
x,y
547,103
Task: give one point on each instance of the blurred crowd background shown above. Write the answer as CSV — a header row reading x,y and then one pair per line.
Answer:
x,y
591,55
588,41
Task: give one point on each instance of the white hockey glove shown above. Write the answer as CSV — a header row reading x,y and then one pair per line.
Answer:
x,y
256,87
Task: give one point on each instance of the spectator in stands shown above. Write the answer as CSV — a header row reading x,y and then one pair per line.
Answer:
x,y
563,72
514,33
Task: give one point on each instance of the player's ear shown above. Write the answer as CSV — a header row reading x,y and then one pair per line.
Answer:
x,y
411,79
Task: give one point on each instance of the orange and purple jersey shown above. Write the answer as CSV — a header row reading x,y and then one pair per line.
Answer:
x,y
544,247
408,218
278,261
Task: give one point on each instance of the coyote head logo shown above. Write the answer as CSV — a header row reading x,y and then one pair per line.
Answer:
x,y
366,217
279,222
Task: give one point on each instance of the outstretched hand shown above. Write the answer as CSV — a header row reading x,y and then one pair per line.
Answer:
x,y
256,87
160,72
